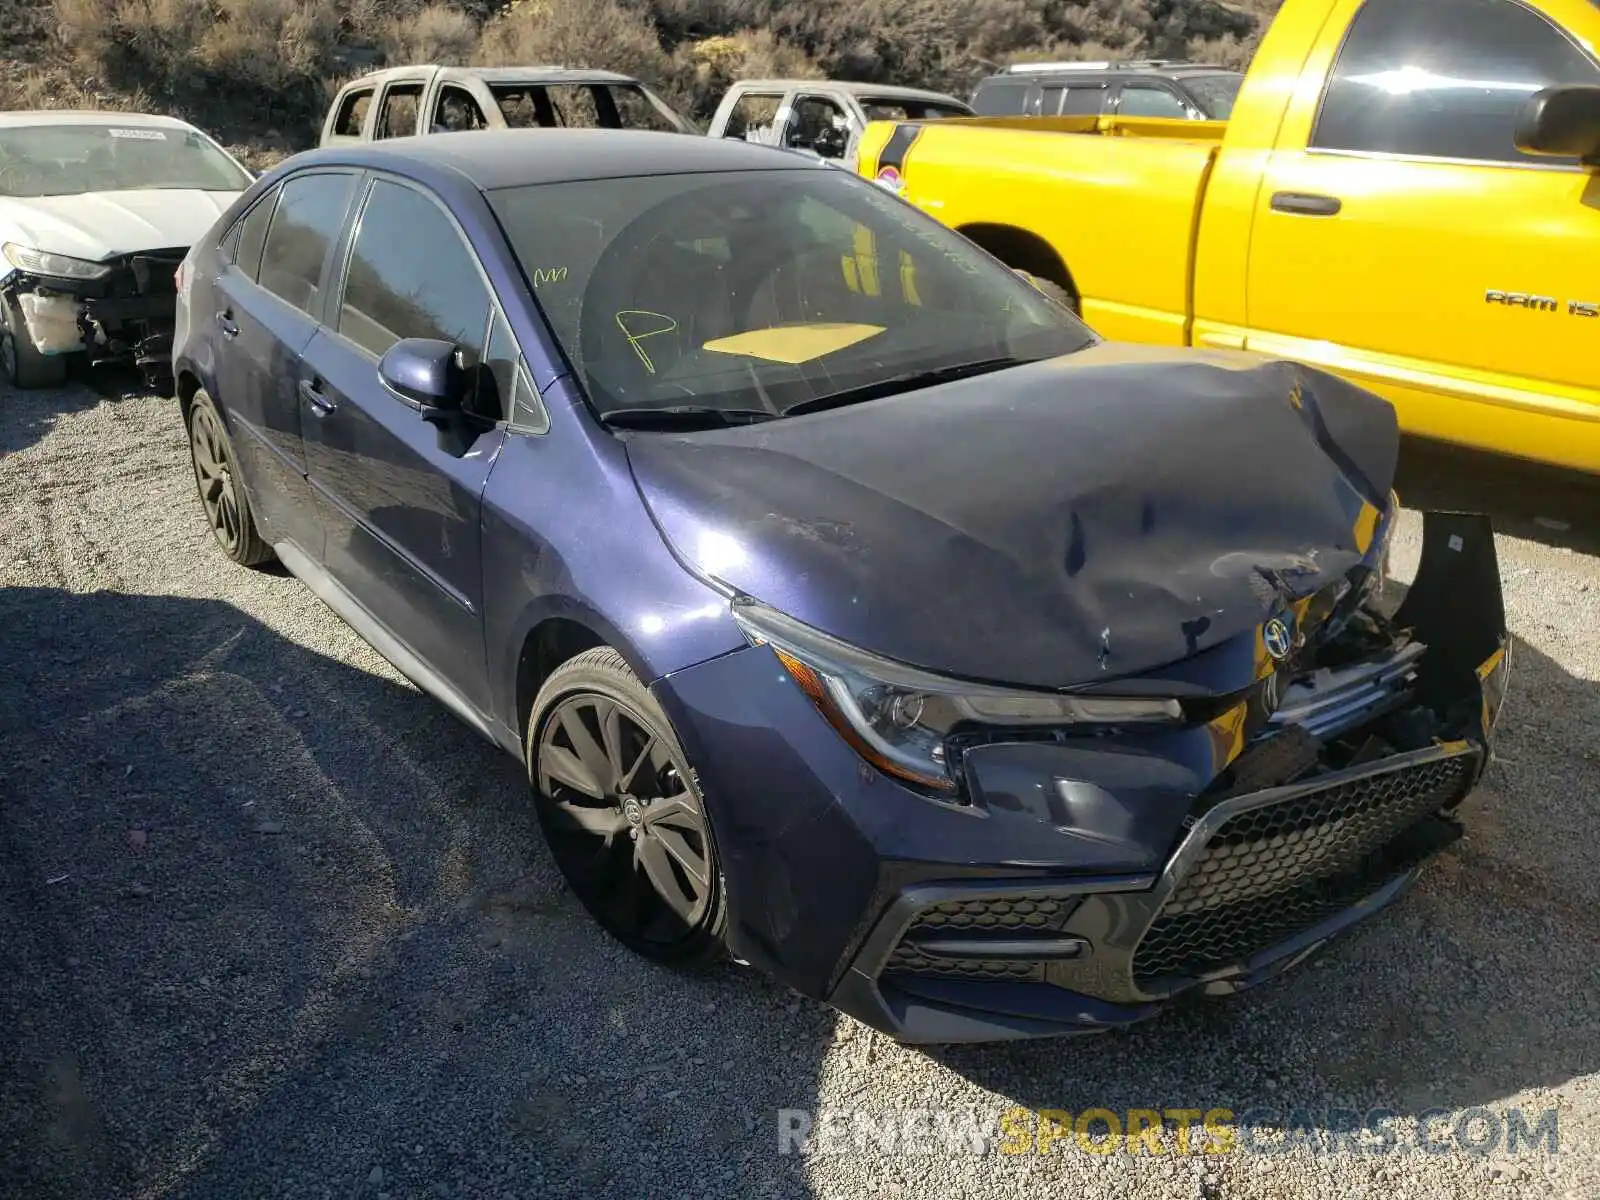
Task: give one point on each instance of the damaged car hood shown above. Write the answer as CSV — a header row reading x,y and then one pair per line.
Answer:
x,y
99,225
1061,523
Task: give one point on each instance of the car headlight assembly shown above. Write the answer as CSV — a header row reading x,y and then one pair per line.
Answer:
x,y
58,266
898,717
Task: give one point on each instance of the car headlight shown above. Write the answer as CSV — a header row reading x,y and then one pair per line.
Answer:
x,y
61,266
898,717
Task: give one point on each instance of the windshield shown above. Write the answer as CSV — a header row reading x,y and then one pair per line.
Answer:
x,y
762,290
909,110
66,160
584,106
1215,93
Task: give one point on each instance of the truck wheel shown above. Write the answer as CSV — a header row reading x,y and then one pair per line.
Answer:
x,y
1055,291
25,367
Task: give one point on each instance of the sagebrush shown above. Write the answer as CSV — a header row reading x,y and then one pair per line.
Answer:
x,y
271,64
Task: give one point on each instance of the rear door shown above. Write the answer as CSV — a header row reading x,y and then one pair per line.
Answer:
x,y
403,539
270,295
1396,218
400,109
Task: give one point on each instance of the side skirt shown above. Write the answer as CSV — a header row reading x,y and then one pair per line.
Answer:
x,y
349,610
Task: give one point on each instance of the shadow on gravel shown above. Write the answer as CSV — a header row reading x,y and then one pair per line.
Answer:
x,y
273,925
1542,504
1475,986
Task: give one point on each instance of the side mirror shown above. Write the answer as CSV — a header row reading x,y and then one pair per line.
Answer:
x,y
427,374
1561,122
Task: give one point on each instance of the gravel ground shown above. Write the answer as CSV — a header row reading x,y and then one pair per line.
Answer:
x,y
276,925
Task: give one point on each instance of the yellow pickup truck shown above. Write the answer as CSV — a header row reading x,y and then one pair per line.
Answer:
x,y
1405,193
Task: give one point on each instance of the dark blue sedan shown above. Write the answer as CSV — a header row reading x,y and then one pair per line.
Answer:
x,y
857,611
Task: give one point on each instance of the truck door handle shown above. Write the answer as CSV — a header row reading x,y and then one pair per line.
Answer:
x,y
226,323
312,395
1307,204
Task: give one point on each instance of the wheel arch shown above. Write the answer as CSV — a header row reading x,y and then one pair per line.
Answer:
x,y
1023,250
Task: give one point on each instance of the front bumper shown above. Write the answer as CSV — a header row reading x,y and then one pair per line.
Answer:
x,y
1089,882
125,317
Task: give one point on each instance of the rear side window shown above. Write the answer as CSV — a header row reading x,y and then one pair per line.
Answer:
x,y
352,116
306,222
456,112
1073,100
250,236
398,116
753,117
411,275
1001,99
1149,100
1445,79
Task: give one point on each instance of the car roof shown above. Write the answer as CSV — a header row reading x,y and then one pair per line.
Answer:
x,y
90,116
531,74
850,86
500,158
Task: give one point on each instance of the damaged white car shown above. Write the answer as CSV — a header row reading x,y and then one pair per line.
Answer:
x,y
97,209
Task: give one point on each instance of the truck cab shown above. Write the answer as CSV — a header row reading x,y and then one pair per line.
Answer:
x,y
823,117
405,101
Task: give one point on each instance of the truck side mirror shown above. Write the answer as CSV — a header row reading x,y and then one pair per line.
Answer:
x,y
1561,122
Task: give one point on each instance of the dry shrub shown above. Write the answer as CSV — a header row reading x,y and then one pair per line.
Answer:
x,y
705,69
437,33
599,33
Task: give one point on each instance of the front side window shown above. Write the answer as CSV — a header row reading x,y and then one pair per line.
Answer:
x,y
819,125
70,160
411,276
398,116
761,290
1214,92
1444,79
753,116
1150,100
307,220
457,112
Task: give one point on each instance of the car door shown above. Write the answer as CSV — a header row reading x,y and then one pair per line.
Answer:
x,y
403,538
818,125
400,109
269,297
1141,98
1406,215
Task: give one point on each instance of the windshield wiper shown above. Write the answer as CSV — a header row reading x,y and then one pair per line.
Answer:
x,y
683,416
907,382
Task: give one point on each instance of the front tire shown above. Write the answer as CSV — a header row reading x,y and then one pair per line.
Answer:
x,y
25,366
622,812
222,494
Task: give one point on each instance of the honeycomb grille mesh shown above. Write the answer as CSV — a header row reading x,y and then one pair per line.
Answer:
x,y
1270,872
1020,915
1001,914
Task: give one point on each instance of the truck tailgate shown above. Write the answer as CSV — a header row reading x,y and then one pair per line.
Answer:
x,y
1119,202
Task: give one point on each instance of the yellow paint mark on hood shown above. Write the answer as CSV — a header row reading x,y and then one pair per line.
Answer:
x,y
794,344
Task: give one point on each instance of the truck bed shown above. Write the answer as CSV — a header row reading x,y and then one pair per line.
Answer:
x,y
1081,183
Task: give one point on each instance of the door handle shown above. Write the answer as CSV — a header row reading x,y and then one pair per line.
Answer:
x,y
226,323
320,404
1308,204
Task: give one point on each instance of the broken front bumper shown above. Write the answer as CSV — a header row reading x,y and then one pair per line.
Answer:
x,y
126,316
1089,881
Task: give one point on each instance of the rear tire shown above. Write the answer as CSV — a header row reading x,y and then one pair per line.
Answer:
x,y
622,811
222,494
1055,291
24,365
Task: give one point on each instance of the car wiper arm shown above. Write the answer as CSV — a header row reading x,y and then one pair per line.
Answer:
x,y
683,416
906,382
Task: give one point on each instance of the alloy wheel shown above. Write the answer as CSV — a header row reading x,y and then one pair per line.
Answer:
x,y
623,820
213,475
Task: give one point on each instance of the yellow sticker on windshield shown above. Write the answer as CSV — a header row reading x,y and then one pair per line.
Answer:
x,y
794,344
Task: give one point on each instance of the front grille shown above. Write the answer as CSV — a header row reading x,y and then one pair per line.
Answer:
x,y
1275,870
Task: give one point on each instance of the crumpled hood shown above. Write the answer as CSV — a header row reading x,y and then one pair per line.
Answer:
x,y
98,225
1068,522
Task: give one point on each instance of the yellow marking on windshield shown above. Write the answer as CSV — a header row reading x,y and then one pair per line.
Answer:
x,y
663,324
794,344
544,275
